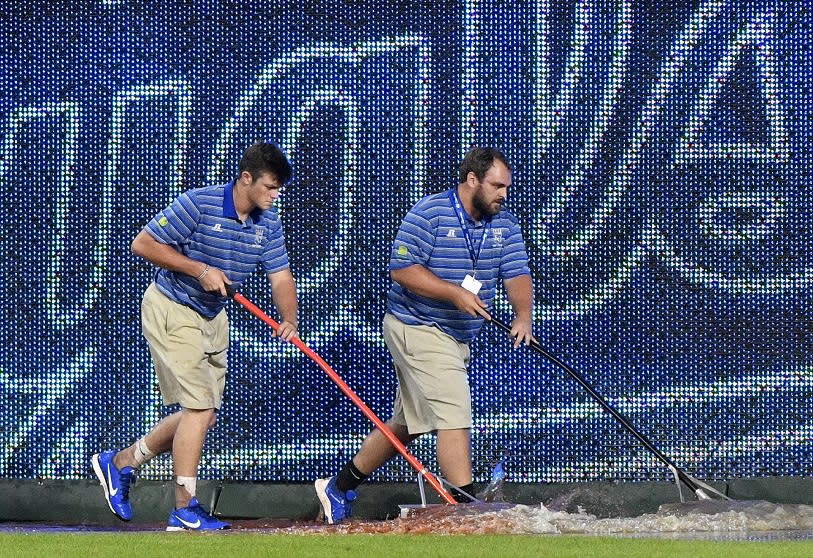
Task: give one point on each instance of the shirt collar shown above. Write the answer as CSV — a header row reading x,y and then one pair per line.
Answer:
x,y
228,204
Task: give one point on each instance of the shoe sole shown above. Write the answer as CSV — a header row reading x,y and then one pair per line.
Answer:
x,y
324,500
178,529
97,468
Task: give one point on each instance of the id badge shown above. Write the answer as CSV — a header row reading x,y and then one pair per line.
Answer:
x,y
471,284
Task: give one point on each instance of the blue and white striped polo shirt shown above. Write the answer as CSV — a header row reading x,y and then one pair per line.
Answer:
x,y
202,224
431,235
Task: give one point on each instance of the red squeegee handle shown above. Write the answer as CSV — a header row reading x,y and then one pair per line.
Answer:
x,y
251,307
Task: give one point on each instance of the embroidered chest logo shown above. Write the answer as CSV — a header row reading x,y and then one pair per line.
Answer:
x,y
217,227
451,233
259,233
496,238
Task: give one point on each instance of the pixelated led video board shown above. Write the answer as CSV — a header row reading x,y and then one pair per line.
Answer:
x,y
662,155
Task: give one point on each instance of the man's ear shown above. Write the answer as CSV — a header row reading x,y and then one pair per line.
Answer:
x,y
246,178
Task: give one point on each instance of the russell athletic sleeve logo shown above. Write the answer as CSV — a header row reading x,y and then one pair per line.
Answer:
x,y
402,250
163,221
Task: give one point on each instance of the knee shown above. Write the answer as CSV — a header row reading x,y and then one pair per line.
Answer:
x,y
202,417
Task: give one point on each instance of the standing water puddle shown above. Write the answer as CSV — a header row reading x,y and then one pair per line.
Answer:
x,y
710,519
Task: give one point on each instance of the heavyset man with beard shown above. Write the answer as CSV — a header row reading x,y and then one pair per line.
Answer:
x,y
449,253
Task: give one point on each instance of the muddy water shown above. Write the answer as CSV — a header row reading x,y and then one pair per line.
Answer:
x,y
735,520
744,520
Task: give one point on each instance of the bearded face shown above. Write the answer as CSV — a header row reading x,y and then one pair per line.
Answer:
x,y
492,191
483,205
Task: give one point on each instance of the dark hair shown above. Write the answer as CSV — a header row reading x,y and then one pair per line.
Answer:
x,y
265,157
478,160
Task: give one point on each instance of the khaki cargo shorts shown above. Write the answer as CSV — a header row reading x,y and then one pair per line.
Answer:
x,y
189,351
433,384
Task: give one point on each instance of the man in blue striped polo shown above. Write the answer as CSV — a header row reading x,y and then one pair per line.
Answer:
x,y
206,239
449,253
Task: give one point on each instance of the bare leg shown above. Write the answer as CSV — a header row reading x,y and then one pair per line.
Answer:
x,y
377,449
159,440
454,455
187,447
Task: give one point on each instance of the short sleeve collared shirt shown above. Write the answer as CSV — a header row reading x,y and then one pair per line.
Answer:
x,y
431,235
202,224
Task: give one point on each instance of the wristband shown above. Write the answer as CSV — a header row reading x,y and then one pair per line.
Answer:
x,y
204,272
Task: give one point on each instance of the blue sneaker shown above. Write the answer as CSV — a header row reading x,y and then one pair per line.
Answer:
x,y
194,518
116,483
336,504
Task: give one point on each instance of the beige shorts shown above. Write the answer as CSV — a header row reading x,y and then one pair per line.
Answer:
x,y
189,351
433,384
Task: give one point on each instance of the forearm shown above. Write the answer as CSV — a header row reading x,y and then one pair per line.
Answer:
x,y
521,296
165,256
283,291
419,280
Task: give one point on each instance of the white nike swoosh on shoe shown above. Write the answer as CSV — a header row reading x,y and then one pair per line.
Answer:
x,y
113,491
189,524
324,499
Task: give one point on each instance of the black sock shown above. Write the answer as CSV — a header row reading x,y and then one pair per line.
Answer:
x,y
457,493
350,477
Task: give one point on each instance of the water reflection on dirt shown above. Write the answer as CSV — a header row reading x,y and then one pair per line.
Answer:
x,y
736,520
718,520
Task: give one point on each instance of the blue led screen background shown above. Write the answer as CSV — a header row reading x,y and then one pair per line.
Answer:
x,y
662,157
